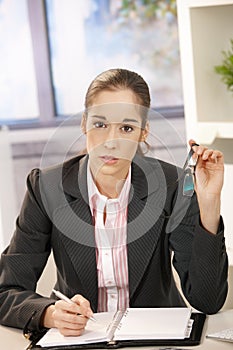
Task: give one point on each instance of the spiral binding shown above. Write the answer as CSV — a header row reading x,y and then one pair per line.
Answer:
x,y
115,324
123,315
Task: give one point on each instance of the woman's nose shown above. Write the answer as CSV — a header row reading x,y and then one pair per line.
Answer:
x,y
111,139
110,144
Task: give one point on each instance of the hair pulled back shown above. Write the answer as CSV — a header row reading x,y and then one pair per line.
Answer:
x,y
115,79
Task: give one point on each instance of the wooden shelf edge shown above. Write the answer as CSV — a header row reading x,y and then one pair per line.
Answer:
x,y
206,3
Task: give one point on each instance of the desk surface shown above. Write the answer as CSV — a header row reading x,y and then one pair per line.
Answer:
x,y
13,339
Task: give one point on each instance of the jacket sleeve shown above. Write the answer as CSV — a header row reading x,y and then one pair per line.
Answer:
x,y
23,261
201,261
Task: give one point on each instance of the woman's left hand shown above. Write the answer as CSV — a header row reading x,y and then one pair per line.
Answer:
x,y
209,172
209,175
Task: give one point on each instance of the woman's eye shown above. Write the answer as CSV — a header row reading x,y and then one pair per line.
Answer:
x,y
127,128
99,125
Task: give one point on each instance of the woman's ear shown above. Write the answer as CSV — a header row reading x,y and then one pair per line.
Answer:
x,y
144,133
83,123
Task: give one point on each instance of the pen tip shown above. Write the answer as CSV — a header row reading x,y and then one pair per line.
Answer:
x,y
93,319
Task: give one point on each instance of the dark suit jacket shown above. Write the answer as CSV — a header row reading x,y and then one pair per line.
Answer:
x,y
55,215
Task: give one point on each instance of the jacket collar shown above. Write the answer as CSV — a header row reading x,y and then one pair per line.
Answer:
x,y
145,222
146,176
74,177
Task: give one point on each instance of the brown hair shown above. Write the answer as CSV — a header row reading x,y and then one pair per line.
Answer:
x,y
114,79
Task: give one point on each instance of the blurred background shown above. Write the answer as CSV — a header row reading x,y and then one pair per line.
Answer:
x,y
52,49
50,52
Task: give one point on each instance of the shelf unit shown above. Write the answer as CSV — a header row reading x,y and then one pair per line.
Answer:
x,y
205,30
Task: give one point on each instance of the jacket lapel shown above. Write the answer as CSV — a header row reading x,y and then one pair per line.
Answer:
x,y
75,222
145,219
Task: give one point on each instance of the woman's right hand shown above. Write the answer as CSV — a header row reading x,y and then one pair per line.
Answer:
x,y
70,319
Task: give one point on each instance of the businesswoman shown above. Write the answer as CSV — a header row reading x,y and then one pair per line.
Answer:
x,y
112,218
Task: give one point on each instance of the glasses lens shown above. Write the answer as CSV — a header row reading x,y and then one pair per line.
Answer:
x,y
188,185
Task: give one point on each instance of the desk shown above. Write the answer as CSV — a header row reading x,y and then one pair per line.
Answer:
x,y
13,339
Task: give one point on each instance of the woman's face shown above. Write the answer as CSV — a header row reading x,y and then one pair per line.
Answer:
x,y
113,130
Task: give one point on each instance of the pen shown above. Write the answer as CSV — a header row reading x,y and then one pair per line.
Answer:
x,y
171,349
65,298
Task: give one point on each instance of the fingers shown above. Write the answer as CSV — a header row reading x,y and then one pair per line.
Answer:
x,y
83,304
68,322
210,154
71,318
206,154
192,143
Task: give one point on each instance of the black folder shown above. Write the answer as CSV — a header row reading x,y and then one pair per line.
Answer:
x,y
193,340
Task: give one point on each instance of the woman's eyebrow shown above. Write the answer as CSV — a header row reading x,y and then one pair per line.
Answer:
x,y
128,120
98,116
125,120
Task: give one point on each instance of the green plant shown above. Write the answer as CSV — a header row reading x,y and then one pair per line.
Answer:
x,y
148,9
226,68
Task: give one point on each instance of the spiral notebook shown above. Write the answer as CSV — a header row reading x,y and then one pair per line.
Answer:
x,y
133,324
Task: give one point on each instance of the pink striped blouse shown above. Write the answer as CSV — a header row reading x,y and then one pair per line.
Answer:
x,y
111,248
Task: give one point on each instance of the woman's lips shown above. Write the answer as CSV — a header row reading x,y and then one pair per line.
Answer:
x,y
109,159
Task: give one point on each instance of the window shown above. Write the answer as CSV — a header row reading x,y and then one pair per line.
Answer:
x,y
52,49
87,37
17,79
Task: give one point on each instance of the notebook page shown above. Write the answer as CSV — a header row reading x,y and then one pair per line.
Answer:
x,y
95,332
153,323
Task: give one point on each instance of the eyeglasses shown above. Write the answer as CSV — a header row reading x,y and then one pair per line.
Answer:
x,y
189,172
